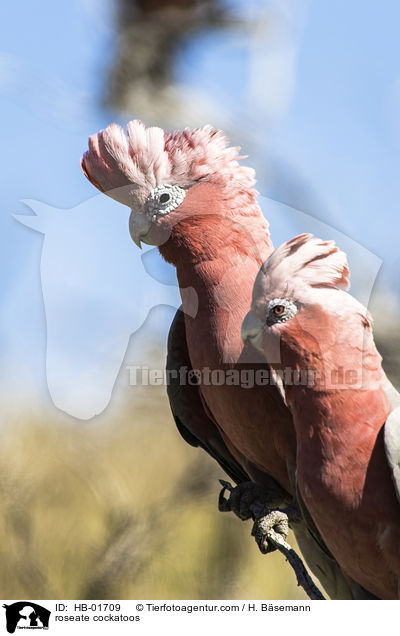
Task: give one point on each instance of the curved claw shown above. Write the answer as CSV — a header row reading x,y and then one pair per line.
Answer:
x,y
270,530
224,505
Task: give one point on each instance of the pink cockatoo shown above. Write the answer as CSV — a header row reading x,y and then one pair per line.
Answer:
x,y
344,408
191,198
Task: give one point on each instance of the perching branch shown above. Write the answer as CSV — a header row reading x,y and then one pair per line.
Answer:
x,y
270,527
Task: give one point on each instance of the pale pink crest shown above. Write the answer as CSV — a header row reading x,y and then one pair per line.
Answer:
x,y
135,162
309,260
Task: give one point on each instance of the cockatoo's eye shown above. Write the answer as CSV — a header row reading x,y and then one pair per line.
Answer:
x,y
280,310
163,199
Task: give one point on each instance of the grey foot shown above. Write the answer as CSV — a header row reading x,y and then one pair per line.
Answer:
x,y
270,530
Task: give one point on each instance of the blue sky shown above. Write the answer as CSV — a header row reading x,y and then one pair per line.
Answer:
x,y
342,128
319,104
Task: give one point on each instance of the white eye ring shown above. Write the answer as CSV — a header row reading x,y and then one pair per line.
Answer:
x,y
290,310
163,199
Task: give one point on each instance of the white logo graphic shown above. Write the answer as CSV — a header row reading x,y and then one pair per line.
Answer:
x,y
96,294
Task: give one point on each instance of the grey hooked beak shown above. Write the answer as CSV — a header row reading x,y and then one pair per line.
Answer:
x,y
251,327
139,227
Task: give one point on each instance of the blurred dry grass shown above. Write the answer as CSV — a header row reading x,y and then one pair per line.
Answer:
x,y
122,508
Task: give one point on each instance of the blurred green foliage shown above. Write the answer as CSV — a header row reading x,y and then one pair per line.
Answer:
x,y
122,508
